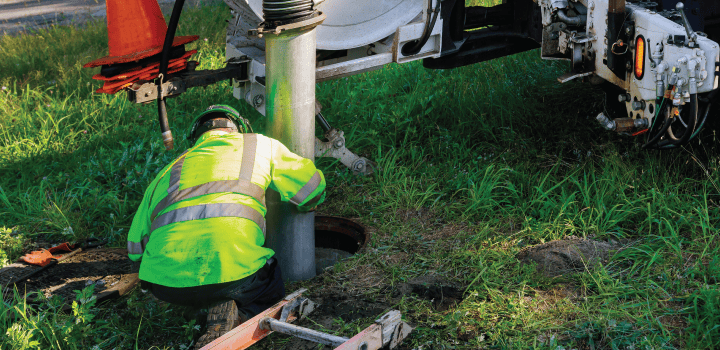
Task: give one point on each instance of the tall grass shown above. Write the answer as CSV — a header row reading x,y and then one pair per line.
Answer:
x,y
498,153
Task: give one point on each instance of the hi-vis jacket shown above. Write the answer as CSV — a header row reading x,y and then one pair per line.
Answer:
x,y
202,220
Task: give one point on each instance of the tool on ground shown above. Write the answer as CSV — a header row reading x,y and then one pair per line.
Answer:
x,y
43,257
387,332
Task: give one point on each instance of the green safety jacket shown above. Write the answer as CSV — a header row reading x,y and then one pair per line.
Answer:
x,y
202,220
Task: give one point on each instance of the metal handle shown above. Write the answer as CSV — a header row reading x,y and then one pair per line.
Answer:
x,y
692,36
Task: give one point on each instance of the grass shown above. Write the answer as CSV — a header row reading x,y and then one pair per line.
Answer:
x,y
476,163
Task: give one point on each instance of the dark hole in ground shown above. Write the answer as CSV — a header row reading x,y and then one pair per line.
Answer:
x,y
336,239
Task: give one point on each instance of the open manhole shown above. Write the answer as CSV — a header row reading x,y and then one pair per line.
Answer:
x,y
336,239
109,270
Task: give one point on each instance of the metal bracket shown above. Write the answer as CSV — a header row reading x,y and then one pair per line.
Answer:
x,y
147,92
335,148
300,307
270,29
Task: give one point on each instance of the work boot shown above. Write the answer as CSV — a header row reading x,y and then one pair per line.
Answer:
x,y
221,318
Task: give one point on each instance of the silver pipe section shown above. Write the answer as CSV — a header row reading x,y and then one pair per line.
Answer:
x,y
302,332
290,109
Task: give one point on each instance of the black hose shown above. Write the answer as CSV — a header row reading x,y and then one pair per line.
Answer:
x,y
414,46
573,21
164,60
697,130
689,128
668,120
323,122
284,11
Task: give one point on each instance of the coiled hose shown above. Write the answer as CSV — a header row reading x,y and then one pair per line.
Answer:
x,y
284,11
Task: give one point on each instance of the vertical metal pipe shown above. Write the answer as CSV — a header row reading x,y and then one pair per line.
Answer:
x,y
290,109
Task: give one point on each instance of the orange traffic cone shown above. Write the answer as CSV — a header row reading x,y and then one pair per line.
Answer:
x,y
136,30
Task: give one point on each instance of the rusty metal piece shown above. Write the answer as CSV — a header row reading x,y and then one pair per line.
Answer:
x,y
624,124
616,6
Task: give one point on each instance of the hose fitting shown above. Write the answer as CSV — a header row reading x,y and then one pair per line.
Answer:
x,y
287,11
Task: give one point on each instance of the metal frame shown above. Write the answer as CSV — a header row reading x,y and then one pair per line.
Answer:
x,y
387,332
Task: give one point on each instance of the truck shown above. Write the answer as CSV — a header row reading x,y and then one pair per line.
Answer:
x,y
657,61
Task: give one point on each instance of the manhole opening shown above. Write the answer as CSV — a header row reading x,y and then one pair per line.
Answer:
x,y
336,239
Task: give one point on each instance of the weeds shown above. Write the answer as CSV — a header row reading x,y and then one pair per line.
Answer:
x,y
483,160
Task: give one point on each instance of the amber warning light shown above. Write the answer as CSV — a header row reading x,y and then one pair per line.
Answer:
x,y
639,57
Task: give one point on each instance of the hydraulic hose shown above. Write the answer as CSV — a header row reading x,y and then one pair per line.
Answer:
x,y
573,21
689,129
414,46
704,119
663,129
284,11
164,60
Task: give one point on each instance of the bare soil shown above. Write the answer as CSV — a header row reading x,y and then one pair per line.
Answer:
x,y
107,269
338,305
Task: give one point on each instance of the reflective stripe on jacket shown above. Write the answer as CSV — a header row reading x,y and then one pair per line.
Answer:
x,y
202,221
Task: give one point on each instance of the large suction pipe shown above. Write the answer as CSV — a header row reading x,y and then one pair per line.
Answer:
x,y
616,18
290,90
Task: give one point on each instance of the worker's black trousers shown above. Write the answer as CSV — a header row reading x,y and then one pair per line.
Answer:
x,y
252,294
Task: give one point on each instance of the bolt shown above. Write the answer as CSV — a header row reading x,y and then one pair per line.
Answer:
x,y
258,100
628,30
623,97
338,143
628,65
638,105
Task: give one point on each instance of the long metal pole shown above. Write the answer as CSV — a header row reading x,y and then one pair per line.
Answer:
x,y
290,91
302,332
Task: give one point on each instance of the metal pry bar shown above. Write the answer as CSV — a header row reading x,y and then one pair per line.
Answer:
x,y
387,332
291,308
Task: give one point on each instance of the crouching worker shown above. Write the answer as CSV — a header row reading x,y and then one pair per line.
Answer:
x,y
200,229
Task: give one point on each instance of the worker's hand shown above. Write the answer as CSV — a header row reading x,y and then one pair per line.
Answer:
x,y
312,209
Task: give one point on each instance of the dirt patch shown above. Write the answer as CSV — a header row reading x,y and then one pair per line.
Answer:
x,y
570,255
442,294
343,302
107,269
